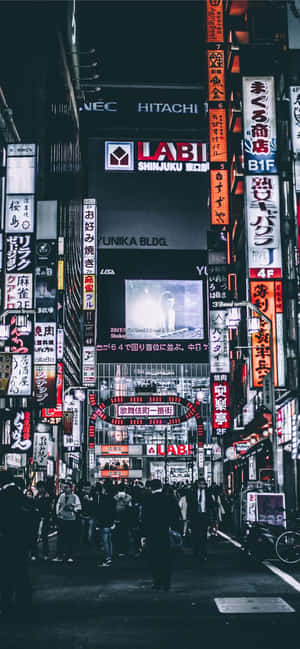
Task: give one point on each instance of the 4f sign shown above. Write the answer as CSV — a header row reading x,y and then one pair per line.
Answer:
x,y
119,156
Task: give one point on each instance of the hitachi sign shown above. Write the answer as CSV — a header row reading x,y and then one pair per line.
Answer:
x,y
173,152
155,107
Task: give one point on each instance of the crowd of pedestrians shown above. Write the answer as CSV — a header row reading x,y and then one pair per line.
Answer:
x,y
107,520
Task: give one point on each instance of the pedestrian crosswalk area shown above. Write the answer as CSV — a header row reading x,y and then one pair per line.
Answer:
x,y
236,605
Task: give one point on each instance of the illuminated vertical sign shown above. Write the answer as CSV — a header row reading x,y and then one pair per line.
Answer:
x,y
214,21
263,226
219,206
295,117
19,249
216,75
89,271
260,138
267,296
217,134
220,404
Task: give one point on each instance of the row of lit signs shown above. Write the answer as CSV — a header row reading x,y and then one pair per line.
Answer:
x,y
89,270
263,225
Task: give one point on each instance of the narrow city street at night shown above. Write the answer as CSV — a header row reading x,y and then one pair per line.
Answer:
x,y
149,324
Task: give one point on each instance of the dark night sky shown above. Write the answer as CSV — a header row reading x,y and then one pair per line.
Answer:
x,y
150,41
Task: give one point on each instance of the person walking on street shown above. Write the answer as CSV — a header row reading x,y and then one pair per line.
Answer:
x,y
43,504
123,504
198,515
16,527
160,512
105,516
67,506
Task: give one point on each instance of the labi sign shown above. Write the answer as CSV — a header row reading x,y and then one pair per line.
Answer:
x,y
153,156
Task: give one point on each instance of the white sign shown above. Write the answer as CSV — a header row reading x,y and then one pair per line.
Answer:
x,y
89,370
60,344
18,291
74,439
260,140
21,149
20,379
219,342
20,176
161,107
295,117
172,449
45,343
19,213
145,410
40,449
89,236
263,227
20,433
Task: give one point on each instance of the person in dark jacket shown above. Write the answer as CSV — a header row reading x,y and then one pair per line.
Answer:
x,y
104,512
16,523
159,513
198,513
43,504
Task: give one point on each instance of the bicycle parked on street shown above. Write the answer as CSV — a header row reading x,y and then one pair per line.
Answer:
x,y
287,545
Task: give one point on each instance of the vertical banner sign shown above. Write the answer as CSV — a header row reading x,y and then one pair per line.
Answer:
x,y
19,226
89,271
219,213
19,248
214,21
267,296
217,134
263,227
260,139
295,117
216,75
220,404
219,199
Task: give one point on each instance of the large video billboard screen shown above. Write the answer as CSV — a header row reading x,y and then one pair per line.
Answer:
x,y
164,309
152,302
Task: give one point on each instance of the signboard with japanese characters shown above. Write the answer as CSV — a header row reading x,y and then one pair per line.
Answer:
x,y
263,227
55,414
89,292
260,139
21,431
46,280
20,175
21,337
18,291
267,296
214,21
216,75
40,449
89,371
220,404
5,372
114,449
217,284
89,236
19,214
145,410
219,342
21,375
217,134
295,117
219,197
45,343
45,385
74,439
19,253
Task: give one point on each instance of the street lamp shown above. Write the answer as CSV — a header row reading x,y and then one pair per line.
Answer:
x,y
262,316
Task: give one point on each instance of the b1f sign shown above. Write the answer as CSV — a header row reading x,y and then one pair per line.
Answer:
x,y
260,139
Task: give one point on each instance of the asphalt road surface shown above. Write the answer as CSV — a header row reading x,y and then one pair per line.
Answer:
x,y
80,606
